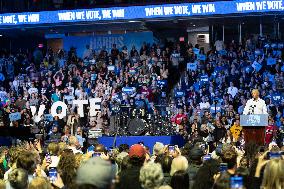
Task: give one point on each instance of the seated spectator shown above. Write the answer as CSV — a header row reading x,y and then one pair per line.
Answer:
x,y
151,176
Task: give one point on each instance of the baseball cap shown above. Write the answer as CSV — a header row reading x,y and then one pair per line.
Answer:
x,y
96,172
137,150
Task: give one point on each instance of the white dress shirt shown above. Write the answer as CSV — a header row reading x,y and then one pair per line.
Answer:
x,y
255,107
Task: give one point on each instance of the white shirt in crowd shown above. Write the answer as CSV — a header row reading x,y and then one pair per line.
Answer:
x,y
255,107
204,105
233,91
32,90
219,45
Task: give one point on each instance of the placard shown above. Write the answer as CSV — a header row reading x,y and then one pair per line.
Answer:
x,y
15,116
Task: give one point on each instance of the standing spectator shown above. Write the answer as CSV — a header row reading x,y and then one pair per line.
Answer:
x,y
95,173
129,178
180,180
151,176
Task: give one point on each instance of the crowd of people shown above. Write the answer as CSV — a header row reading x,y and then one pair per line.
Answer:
x,y
208,99
204,107
62,165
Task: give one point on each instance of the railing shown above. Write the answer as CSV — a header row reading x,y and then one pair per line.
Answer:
x,y
42,5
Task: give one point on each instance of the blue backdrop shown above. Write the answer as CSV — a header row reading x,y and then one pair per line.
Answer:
x,y
98,41
148,140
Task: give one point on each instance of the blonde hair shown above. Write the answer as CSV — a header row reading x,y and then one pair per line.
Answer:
x,y
62,146
273,177
255,90
53,148
165,187
79,158
151,176
39,182
179,163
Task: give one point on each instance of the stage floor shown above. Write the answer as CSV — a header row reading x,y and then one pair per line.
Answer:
x,y
147,140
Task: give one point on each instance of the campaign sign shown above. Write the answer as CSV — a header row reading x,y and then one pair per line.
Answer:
x,y
2,77
129,90
271,61
196,51
179,94
191,66
93,77
15,116
222,52
204,78
218,109
162,83
110,68
201,57
48,117
257,66
254,120
276,98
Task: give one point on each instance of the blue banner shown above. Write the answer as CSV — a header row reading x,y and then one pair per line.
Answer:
x,y
48,117
257,66
192,66
276,98
204,78
222,52
162,83
179,94
201,57
142,12
218,108
271,61
2,77
15,116
129,90
97,42
196,51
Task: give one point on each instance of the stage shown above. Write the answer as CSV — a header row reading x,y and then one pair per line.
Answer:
x,y
7,134
147,140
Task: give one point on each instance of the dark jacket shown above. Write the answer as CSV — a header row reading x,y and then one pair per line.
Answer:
x,y
167,179
129,178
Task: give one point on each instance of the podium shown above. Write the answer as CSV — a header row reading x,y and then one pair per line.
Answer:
x,y
254,127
